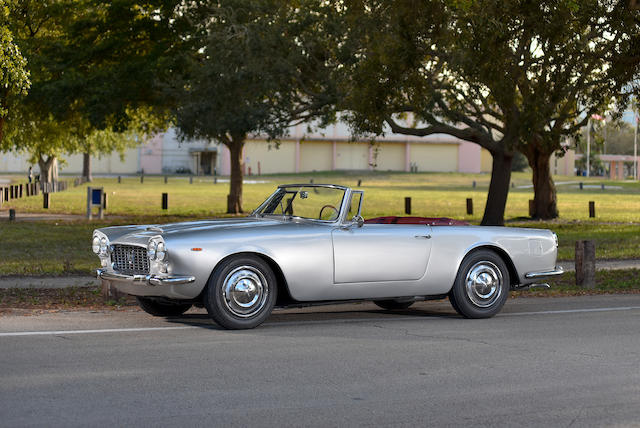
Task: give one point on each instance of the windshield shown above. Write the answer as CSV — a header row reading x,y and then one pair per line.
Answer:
x,y
310,202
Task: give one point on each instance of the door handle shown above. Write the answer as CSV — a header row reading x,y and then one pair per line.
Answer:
x,y
423,236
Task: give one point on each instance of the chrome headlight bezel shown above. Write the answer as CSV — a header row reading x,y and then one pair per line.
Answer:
x,y
157,249
161,251
151,249
100,244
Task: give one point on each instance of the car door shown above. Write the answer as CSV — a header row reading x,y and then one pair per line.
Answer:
x,y
380,252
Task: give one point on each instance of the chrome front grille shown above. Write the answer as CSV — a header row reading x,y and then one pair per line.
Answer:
x,y
130,259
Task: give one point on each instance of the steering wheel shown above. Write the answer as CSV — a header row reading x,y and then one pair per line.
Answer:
x,y
328,206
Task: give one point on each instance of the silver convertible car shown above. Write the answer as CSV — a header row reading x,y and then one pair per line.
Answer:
x,y
307,243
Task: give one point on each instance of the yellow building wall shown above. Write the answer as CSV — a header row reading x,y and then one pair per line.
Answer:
x,y
563,165
105,164
390,157
435,157
352,156
486,161
316,156
272,159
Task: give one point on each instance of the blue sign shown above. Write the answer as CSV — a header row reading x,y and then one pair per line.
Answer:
x,y
96,196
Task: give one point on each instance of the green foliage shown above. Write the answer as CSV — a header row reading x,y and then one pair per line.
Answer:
x,y
14,77
254,68
508,76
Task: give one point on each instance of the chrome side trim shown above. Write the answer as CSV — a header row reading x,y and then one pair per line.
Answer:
x,y
145,279
557,271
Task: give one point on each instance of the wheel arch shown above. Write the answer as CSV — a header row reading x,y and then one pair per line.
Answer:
x,y
513,273
284,296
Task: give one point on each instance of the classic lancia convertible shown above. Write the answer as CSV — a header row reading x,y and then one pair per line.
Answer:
x,y
308,243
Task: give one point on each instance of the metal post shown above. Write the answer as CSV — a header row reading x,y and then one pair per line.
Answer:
x,y
588,144
635,149
165,201
469,206
407,205
592,209
89,214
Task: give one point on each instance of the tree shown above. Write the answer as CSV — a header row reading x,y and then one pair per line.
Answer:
x,y
14,77
94,65
515,76
255,68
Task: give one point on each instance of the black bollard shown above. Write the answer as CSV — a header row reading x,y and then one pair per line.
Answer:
x,y
407,205
165,201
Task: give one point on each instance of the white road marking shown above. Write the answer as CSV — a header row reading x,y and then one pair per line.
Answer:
x,y
106,330
572,311
309,322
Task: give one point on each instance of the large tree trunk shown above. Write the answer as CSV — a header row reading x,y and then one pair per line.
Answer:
x,y
86,167
46,169
498,190
234,199
544,190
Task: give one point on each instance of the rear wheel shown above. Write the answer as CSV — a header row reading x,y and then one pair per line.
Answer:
x,y
162,309
241,293
394,305
481,286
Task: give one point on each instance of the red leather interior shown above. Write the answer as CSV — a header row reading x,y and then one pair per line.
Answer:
x,y
431,221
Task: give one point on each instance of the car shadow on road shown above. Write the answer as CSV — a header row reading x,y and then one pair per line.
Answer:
x,y
326,315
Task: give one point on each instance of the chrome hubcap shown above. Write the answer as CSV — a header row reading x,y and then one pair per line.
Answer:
x,y
483,284
244,291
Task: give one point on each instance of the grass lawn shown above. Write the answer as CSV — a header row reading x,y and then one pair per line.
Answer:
x,y
64,247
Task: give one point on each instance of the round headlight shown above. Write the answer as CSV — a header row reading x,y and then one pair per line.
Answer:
x,y
103,245
95,244
161,252
151,250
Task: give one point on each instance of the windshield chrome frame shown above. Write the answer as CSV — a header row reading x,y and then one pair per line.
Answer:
x,y
344,209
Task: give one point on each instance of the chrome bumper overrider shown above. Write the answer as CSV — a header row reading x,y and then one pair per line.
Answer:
x,y
145,279
534,275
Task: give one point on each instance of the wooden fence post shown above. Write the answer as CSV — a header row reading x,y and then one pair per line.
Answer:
x,y
586,264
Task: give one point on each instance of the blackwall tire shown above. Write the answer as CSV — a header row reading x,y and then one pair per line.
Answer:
x,y
393,305
162,309
241,292
482,285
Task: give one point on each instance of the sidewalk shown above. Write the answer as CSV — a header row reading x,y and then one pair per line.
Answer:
x,y
27,282
570,266
4,215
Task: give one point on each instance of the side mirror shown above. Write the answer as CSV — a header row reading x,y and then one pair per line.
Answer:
x,y
358,220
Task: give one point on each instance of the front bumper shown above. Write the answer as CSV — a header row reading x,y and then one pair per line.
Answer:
x,y
546,274
151,279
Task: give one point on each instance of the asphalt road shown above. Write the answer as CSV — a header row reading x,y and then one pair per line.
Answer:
x,y
541,362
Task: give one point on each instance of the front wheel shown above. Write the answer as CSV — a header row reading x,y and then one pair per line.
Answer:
x,y
241,293
162,309
481,286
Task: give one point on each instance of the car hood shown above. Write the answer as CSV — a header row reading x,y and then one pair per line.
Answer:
x,y
139,235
